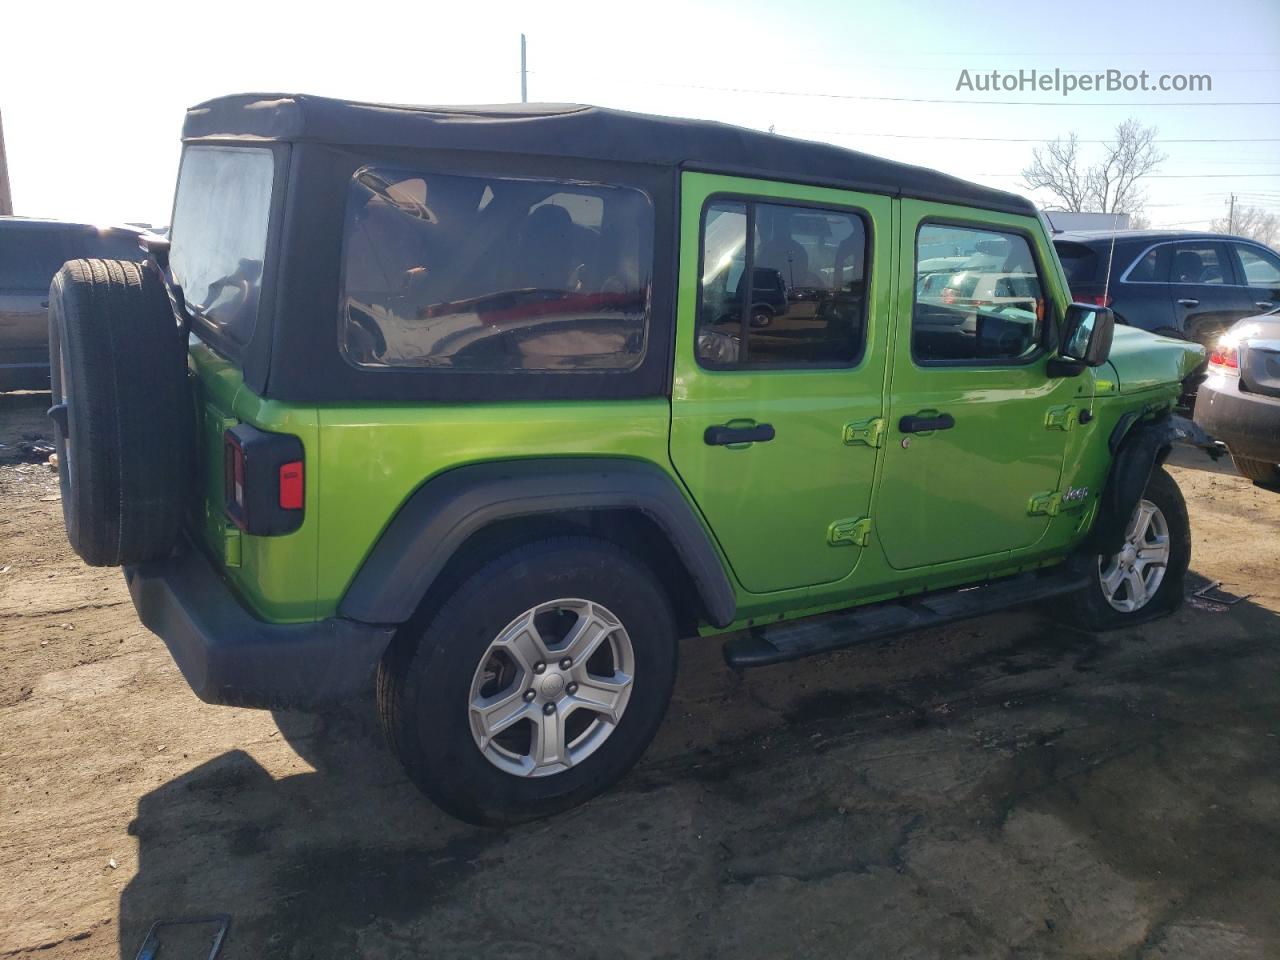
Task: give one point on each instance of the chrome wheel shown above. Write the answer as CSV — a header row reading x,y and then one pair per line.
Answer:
x,y
1131,578
551,687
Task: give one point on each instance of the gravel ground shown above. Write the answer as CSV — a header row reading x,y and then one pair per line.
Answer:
x,y
1002,788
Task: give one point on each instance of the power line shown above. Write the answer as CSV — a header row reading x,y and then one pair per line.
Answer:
x,y
925,136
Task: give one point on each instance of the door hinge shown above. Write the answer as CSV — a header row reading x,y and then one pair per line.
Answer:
x,y
866,432
847,533
1045,503
1060,418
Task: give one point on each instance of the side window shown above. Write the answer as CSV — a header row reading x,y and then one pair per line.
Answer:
x,y
1199,263
1261,267
491,274
805,303
1153,267
978,296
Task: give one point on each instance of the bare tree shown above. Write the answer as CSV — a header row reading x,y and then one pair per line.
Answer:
x,y
1110,185
1057,170
1252,222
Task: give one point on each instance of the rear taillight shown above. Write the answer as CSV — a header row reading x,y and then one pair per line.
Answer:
x,y
1097,299
264,480
1224,359
290,486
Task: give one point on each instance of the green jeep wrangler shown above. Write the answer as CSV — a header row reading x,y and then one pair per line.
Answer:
x,y
494,404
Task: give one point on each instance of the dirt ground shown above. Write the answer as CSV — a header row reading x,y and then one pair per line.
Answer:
x,y
1003,788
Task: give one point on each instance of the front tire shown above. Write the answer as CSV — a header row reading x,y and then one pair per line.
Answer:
x,y
1144,580
536,685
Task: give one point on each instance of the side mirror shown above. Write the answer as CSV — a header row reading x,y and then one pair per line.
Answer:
x,y
1086,339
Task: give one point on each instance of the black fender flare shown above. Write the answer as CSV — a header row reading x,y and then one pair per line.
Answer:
x,y
1137,447
448,509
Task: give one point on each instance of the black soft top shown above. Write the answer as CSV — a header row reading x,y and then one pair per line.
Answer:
x,y
574,130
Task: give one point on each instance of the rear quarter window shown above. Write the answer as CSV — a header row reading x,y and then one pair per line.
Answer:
x,y
494,275
1079,262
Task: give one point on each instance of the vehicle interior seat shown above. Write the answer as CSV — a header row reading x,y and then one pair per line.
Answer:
x,y
1188,267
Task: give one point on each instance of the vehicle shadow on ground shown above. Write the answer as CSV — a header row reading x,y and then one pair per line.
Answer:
x,y
1004,785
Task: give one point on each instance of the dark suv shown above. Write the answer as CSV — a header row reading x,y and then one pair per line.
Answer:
x,y
31,251
1191,285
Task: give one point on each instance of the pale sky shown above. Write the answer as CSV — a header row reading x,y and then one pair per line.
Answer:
x,y
93,94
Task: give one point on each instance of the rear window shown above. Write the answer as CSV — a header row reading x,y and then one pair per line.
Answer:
x,y
219,238
1078,261
31,254
494,274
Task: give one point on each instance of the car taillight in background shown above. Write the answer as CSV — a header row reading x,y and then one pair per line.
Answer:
x,y
1223,358
1098,299
263,480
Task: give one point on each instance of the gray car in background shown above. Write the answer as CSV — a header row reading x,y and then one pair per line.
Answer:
x,y
31,251
1239,401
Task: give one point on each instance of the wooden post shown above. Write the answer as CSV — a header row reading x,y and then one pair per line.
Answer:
x,y
6,198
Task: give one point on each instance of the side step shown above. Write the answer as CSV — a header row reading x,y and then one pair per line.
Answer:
x,y
776,643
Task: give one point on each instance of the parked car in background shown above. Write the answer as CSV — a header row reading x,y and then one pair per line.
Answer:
x,y
31,251
1191,285
1239,401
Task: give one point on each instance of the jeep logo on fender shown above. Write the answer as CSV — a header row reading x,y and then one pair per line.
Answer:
x,y
1075,493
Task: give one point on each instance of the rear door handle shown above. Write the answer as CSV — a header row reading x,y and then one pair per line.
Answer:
x,y
1189,302
918,424
1264,304
722,436
45,304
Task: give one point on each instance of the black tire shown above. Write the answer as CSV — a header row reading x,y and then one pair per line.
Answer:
x,y
123,422
1259,471
425,680
1090,609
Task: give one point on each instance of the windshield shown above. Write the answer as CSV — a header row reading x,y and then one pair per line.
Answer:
x,y
220,219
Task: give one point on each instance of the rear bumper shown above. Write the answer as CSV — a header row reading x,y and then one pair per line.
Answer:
x,y
228,656
1248,423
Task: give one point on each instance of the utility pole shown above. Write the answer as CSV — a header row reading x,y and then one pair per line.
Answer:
x,y
1231,214
524,74
6,198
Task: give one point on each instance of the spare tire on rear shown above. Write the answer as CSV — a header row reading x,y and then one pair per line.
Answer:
x,y
123,421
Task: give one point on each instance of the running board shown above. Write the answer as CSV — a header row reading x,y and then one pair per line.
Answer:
x,y
779,642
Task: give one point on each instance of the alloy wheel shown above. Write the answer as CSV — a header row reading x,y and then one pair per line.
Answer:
x,y
1131,577
551,687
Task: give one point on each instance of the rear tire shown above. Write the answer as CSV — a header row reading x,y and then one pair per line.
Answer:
x,y
448,673
1135,585
1259,471
123,422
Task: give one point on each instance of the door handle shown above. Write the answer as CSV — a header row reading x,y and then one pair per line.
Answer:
x,y
1189,302
45,304
1264,304
722,436
918,424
